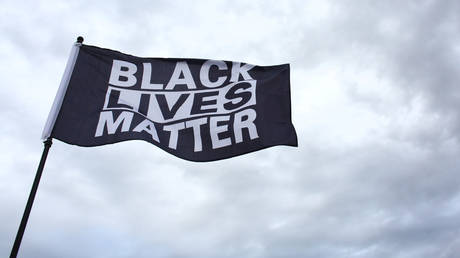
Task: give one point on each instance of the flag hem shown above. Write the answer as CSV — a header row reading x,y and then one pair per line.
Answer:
x,y
57,103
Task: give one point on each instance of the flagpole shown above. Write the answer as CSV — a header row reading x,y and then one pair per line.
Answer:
x,y
46,136
30,201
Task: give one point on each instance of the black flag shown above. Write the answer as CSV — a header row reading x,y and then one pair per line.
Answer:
x,y
195,109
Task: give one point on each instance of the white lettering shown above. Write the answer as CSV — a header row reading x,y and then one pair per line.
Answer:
x,y
174,133
238,125
196,124
215,130
146,79
123,69
106,118
148,127
204,73
181,68
237,69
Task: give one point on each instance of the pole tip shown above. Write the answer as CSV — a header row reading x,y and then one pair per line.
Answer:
x,y
80,39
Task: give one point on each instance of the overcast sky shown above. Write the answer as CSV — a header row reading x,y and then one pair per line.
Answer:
x,y
375,102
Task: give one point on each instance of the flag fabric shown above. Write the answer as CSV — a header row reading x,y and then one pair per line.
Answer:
x,y
195,109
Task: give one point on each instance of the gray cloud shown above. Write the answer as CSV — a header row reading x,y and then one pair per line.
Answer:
x,y
375,104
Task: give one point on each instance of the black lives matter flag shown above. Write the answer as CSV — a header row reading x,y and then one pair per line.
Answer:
x,y
195,109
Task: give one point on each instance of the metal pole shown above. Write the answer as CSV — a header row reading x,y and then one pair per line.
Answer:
x,y
30,201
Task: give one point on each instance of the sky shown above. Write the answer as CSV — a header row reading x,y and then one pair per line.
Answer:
x,y
375,103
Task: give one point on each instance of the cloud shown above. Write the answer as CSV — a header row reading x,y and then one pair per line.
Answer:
x,y
375,105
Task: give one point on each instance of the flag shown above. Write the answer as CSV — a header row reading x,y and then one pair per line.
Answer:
x,y
195,109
